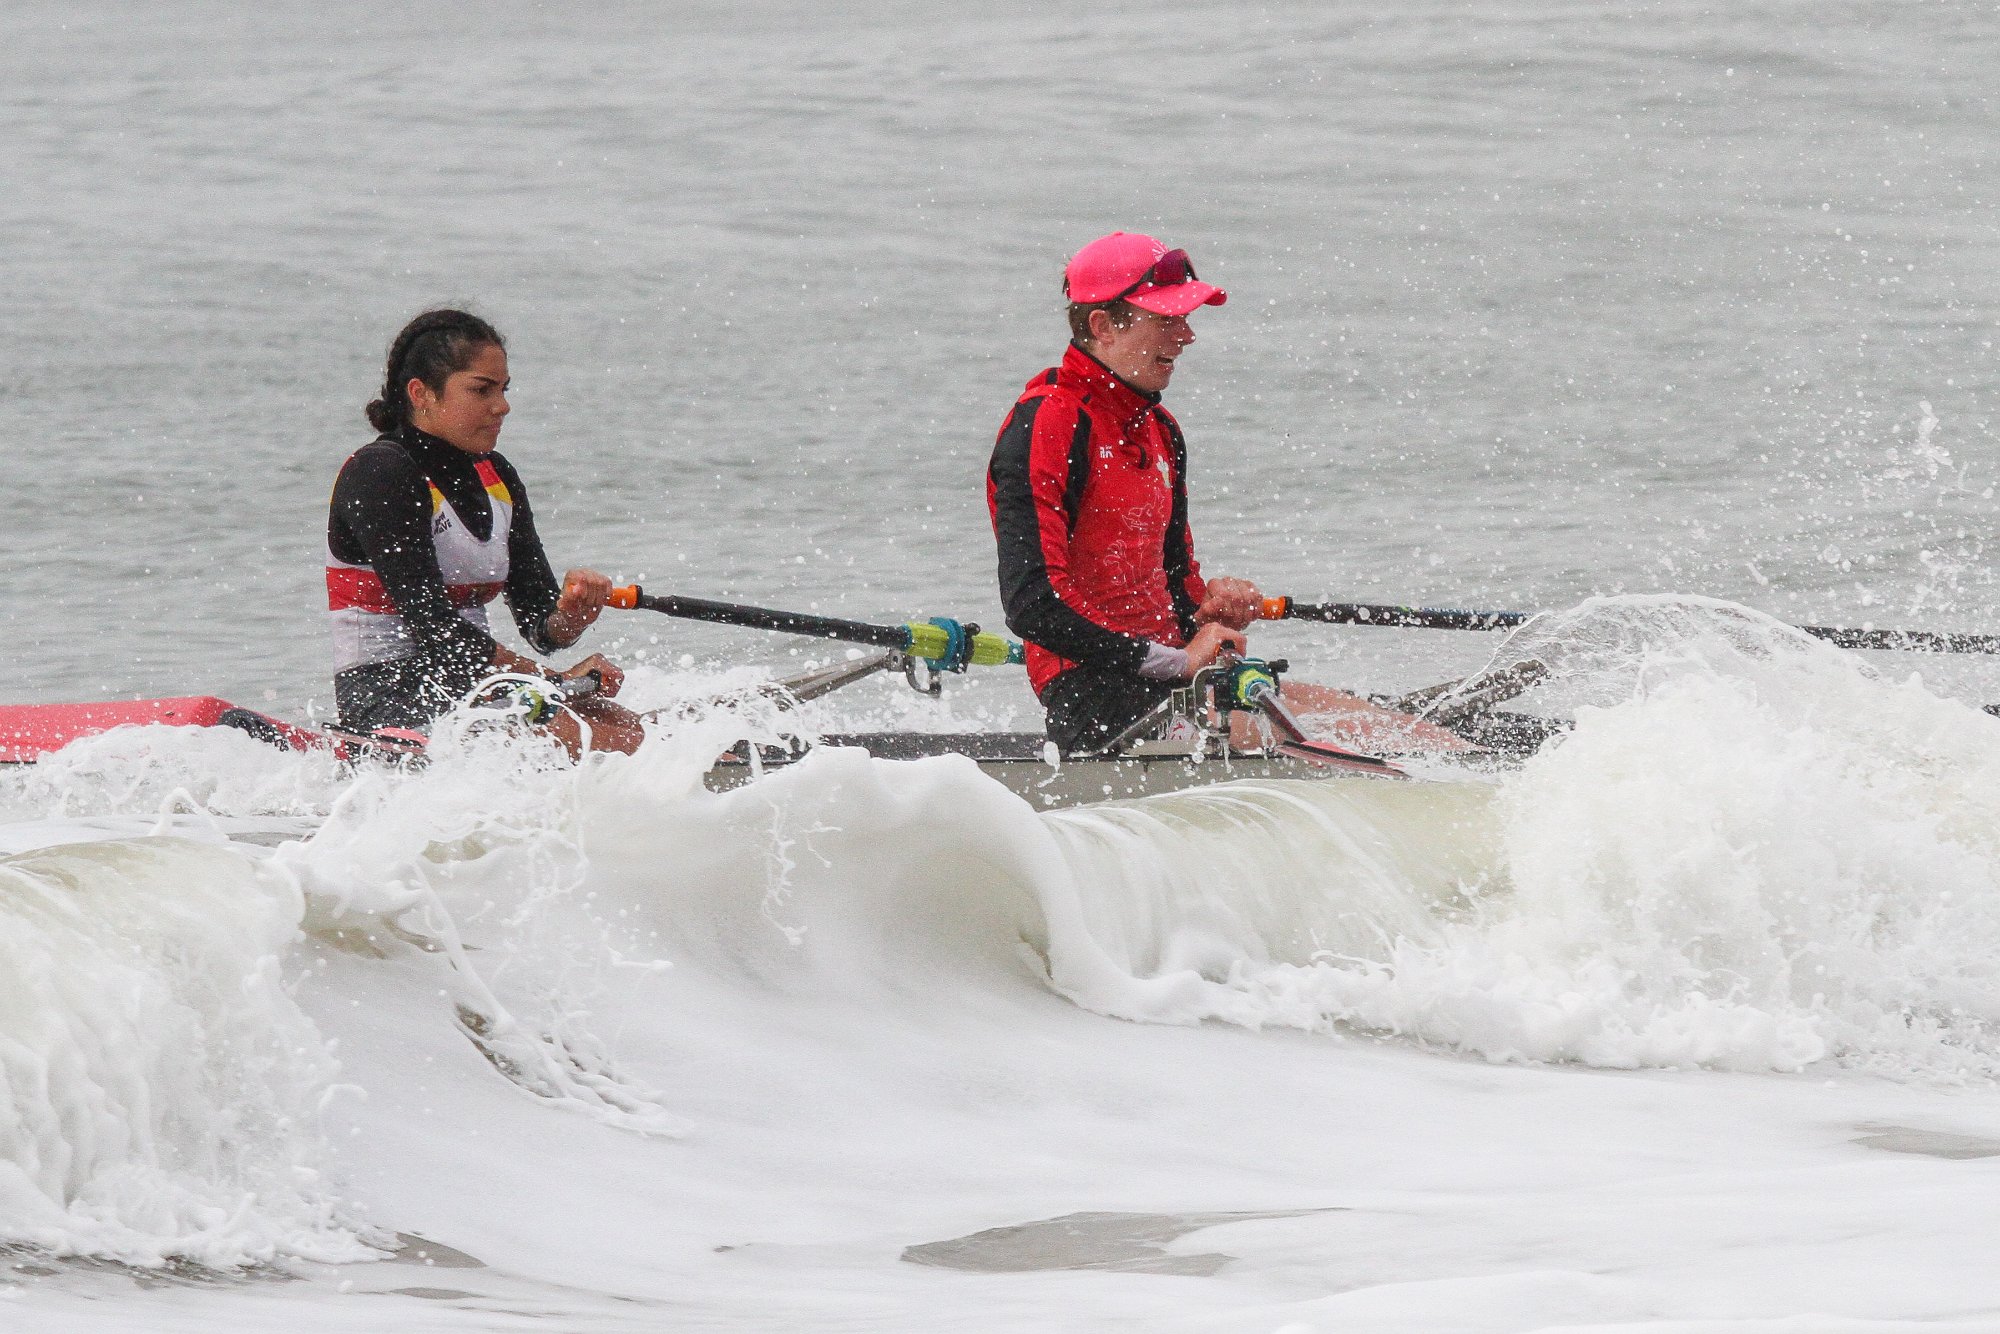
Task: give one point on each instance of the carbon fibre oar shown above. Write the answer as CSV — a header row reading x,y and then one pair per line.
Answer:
x,y
1435,618
1916,641
949,644
1370,613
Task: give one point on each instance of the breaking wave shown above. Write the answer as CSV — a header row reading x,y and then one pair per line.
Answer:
x,y
1751,853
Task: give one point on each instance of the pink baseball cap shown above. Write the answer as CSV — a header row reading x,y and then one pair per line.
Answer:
x,y
1141,271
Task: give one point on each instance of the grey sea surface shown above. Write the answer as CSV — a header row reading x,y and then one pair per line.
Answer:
x,y
1528,301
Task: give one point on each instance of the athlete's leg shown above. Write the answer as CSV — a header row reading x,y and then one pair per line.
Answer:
x,y
1089,707
613,727
1349,719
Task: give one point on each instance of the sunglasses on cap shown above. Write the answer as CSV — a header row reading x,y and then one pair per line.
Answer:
x,y
1169,270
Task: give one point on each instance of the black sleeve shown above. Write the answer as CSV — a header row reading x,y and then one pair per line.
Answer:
x,y
382,510
1035,486
532,587
1181,568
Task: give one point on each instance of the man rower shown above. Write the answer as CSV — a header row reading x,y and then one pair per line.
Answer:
x,y
1088,495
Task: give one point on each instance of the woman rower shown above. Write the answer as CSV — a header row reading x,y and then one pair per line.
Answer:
x,y
428,525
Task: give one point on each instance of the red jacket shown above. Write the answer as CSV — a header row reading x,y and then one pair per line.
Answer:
x,y
1088,492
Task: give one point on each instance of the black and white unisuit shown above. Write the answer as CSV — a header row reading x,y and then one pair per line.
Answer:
x,y
421,536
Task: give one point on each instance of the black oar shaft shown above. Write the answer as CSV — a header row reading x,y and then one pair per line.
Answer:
x,y
1919,641
941,641
1440,618
1420,618
789,622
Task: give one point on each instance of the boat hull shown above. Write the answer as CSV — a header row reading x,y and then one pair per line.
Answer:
x,y
1026,765
1023,762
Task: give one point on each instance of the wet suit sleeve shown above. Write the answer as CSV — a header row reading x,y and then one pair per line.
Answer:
x,y
1184,581
532,588
1034,507
384,504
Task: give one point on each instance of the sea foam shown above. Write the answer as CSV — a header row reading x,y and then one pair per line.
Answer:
x,y
159,1091
1752,853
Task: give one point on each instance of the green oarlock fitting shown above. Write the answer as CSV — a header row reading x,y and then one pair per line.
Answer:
x,y
938,642
929,641
1248,679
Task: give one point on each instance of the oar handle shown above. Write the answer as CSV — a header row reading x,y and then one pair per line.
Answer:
x,y
940,640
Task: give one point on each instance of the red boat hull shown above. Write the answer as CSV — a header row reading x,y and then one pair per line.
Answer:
x,y
30,731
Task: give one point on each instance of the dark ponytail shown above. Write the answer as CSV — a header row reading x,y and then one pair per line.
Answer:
x,y
429,348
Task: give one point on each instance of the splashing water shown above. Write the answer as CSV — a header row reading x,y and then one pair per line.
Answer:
x,y
159,1090
1752,853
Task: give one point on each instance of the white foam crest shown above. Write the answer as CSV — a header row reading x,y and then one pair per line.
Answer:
x,y
1744,862
840,873
490,843
1755,877
138,770
159,1090
1607,650
1753,853
1759,857
908,889
1206,903
1763,857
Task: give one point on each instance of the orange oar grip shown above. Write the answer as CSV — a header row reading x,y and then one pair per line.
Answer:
x,y
626,597
1271,609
